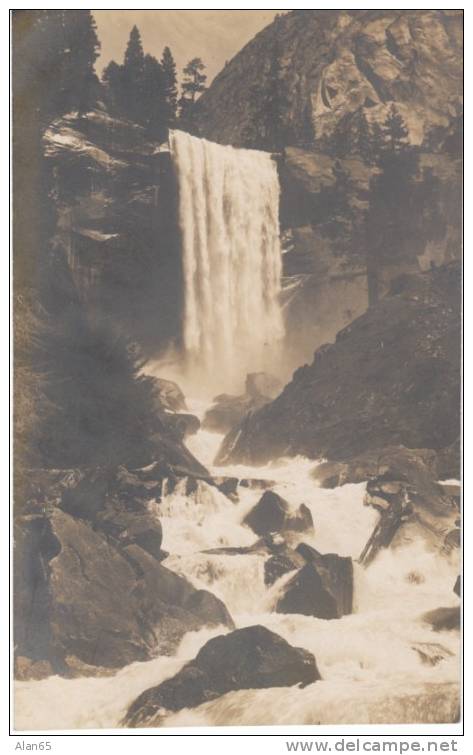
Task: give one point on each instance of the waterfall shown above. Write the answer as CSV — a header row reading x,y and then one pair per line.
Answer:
x,y
228,212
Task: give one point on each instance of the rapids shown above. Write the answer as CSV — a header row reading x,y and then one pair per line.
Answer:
x,y
371,671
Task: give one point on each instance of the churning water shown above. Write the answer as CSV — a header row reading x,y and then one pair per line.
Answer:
x,y
370,662
231,255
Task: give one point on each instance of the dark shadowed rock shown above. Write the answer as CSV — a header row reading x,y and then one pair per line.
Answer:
x,y
457,586
269,514
305,593
102,600
443,619
272,514
322,588
249,658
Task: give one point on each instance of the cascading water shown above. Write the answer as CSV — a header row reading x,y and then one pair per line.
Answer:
x,y
229,218
370,661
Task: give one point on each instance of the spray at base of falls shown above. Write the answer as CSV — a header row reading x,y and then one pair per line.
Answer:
x,y
371,670
231,255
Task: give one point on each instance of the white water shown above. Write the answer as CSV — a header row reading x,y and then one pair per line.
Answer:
x,y
371,673
229,218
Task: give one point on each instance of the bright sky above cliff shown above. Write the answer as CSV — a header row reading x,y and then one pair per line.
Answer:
x,y
213,35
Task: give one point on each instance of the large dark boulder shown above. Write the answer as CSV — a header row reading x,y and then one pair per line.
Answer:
x,y
249,658
101,599
272,514
322,588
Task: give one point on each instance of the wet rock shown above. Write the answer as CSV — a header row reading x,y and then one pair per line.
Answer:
x,y
249,658
307,594
209,608
269,514
272,514
280,564
103,600
443,619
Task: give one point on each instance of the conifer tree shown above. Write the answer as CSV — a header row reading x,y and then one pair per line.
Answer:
x,y
193,84
133,76
169,74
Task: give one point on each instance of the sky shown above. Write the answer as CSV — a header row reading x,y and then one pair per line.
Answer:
x,y
213,35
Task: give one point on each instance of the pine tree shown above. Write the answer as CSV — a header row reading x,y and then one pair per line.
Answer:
x,y
395,131
391,222
112,77
133,76
153,108
193,84
169,87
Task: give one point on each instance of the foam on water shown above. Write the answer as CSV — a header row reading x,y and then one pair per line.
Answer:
x,y
371,670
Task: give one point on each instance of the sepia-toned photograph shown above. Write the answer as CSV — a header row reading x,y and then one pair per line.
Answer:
x,y
237,368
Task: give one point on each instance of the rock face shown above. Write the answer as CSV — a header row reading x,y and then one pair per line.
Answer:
x,y
249,658
334,62
334,68
322,588
90,589
271,514
116,226
382,395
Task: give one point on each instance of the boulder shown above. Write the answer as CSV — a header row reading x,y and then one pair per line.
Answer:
x,y
443,619
306,593
272,514
269,515
249,658
228,411
323,587
336,572
101,599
